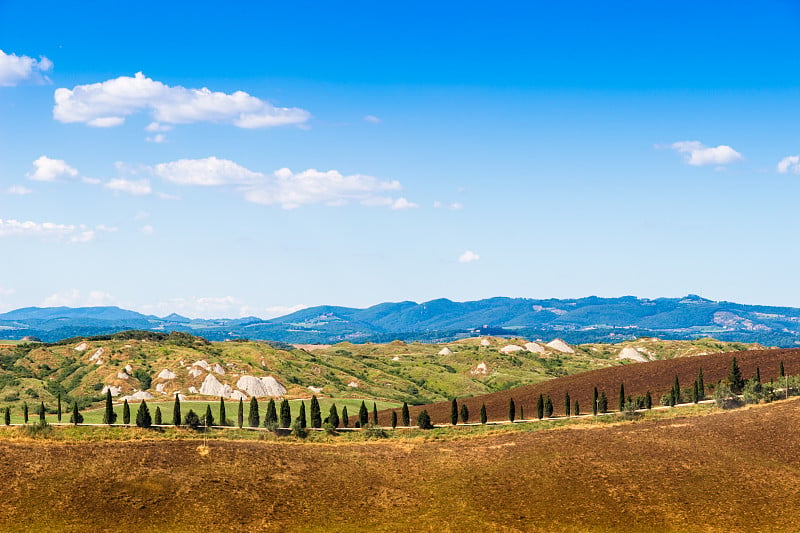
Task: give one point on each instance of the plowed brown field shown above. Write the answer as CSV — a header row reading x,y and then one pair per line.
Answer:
x,y
730,471
638,378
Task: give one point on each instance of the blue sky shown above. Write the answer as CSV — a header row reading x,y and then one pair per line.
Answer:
x,y
270,156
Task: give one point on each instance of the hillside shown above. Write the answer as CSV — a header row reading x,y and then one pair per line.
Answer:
x,y
153,365
578,321
706,474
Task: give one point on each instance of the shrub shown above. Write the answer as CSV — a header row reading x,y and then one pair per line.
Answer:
x,y
725,397
299,427
424,420
192,420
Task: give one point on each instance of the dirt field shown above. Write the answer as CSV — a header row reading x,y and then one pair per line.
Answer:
x,y
638,378
732,471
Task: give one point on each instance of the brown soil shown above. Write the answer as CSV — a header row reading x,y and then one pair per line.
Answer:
x,y
657,377
730,471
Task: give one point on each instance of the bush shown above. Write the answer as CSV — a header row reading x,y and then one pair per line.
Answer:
x,y
724,396
424,420
374,431
299,428
192,420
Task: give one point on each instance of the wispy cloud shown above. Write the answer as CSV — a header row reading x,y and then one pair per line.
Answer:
x,y
789,164
18,190
372,119
66,232
133,187
78,298
468,257
15,69
696,153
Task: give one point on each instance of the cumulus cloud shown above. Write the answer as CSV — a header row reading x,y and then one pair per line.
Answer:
x,y
46,169
133,187
284,187
66,232
468,257
18,190
696,153
107,104
77,298
789,164
15,69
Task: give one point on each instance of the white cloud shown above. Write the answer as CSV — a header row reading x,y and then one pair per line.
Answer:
x,y
215,307
206,172
46,169
158,138
69,232
789,164
455,206
696,153
402,203
18,190
77,298
156,127
141,215
147,230
468,257
372,119
106,104
133,187
14,69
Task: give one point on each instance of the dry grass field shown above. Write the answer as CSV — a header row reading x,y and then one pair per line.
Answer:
x,y
727,471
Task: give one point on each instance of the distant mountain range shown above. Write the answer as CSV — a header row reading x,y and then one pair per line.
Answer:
x,y
580,320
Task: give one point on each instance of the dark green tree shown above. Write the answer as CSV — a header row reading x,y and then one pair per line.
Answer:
x,y
126,413
302,416
109,416
512,410
76,417
192,420
464,414
621,402
41,413
577,408
345,417
7,416
208,420
333,416
363,415
240,414
484,419
701,385
176,411
157,418
566,404
58,408
374,413
253,418
316,413
223,416
603,402
735,377
25,411
781,371
286,414
404,415
648,400
595,402
695,392
271,418
548,407
454,412
394,419
676,391
143,419
424,420
540,407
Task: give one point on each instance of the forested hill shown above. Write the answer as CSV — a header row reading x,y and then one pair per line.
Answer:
x,y
590,319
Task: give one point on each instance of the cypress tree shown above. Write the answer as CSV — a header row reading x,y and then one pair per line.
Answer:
x,y
603,402
735,377
464,413
240,414
374,413
483,413
566,404
109,416
333,416
176,411
77,417
424,420
253,418
454,412
758,375
781,371
223,416
404,416
271,418
701,386
621,404
394,419
363,416
25,411
577,409
345,417
676,390
695,392
41,413
126,413
208,420
286,414
316,414
548,407
302,417
143,419
512,410
595,400
7,416
540,407
58,412
521,412
648,400
157,419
